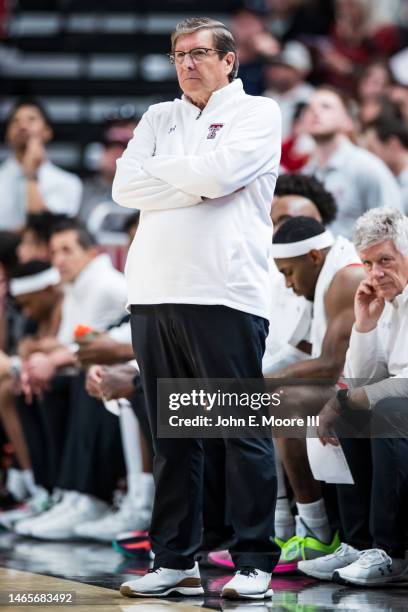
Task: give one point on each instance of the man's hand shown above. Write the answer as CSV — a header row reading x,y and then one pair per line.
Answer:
x,y
102,349
93,380
328,417
40,369
117,382
33,157
368,307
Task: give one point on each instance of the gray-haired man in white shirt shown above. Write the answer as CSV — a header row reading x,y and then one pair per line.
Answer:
x,y
374,516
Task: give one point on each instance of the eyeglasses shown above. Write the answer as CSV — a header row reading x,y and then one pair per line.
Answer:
x,y
198,55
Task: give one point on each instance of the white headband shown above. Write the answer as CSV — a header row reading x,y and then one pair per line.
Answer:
x,y
35,282
302,247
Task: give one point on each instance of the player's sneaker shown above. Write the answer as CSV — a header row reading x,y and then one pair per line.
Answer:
x,y
61,526
373,568
128,517
323,567
221,558
33,507
132,544
301,549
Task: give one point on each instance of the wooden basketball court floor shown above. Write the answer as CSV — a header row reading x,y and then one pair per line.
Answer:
x,y
93,573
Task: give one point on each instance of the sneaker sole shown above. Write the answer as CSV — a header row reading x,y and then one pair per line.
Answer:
x,y
126,591
364,583
233,594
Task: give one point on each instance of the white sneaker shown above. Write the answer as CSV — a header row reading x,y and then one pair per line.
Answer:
x,y
248,583
24,527
323,567
33,507
373,567
128,518
61,525
162,581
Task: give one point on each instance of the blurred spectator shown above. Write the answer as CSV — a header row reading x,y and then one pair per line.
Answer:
x,y
288,19
29,182
388,139
298,146
254,45
98,188
357,179
398,94
374,81
372,87
357,37
285,78
35,237
373,108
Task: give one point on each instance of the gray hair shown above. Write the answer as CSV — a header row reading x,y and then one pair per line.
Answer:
x,y
222,37
380,224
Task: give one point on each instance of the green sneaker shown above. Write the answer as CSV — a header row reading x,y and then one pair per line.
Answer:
x,y
302,549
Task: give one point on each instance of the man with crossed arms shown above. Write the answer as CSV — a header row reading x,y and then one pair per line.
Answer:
x,y
202,169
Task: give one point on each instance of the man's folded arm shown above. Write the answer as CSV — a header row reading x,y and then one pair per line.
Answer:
x,y
364,361
134,188
394,386
253,148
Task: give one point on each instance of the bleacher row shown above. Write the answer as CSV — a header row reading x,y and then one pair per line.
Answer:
x,y
84,63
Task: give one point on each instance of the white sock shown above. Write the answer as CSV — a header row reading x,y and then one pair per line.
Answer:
x,y
15,483
129,431
284,520
315,517
146,496
32,488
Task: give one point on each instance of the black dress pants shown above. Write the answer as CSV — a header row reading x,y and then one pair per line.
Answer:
x,y
93,458
374,510
184,341
45,426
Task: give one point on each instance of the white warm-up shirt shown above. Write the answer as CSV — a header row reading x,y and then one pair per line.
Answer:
x,y
378,359
96,298
204,181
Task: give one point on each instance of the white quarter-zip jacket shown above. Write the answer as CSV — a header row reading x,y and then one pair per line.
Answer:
x,y
204,181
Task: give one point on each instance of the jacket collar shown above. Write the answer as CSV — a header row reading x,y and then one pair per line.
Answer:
x,y
217,97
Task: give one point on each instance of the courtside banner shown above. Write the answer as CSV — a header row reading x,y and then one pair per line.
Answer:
x,y
257,408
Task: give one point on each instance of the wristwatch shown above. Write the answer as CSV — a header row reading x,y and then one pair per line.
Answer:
x,y
342,398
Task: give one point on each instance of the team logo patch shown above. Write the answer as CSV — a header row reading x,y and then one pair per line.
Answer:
x,y
213,129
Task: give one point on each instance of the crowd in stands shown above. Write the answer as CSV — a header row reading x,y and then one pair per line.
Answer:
x,y
71,403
